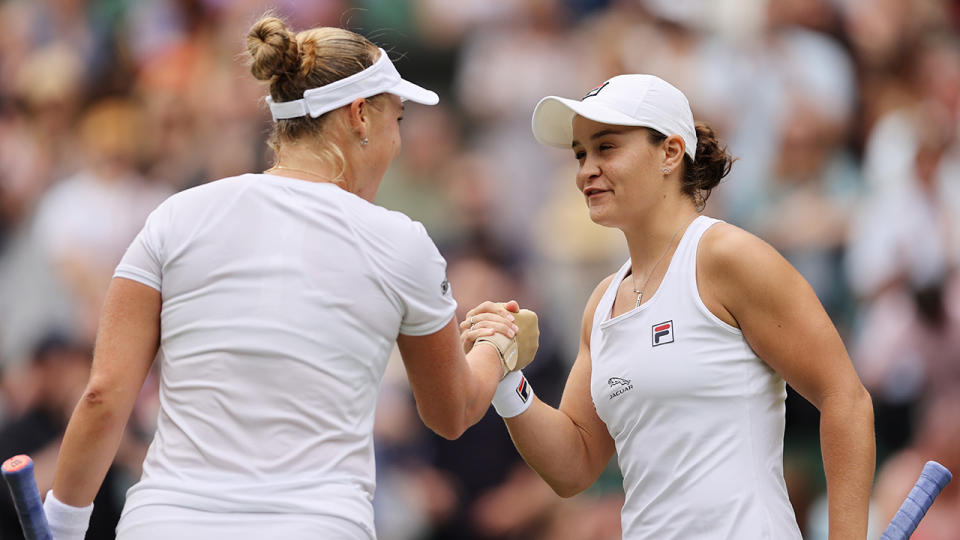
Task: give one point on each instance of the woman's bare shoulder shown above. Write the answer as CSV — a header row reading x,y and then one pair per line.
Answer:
x,y
734,252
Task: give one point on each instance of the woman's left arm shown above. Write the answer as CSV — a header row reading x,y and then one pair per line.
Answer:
x,y
746,282
127,342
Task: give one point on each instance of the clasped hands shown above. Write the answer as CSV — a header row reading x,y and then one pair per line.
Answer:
x,y
513,332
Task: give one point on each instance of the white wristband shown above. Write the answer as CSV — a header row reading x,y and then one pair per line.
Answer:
x,y
66,522
514,395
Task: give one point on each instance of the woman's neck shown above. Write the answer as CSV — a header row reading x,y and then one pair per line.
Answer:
x,y
302,162
295,158
657,235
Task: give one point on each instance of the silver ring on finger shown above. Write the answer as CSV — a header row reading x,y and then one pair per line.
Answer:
x,y
471,322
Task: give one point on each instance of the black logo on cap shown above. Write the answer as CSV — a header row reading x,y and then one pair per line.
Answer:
x,y
595,91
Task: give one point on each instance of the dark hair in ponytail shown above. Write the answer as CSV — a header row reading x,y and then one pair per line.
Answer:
x,y
703,174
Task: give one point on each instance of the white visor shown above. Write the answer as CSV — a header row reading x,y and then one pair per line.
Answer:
x,y
624,100
381,77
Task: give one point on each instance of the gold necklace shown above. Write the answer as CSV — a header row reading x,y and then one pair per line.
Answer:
x,y
656,264
313,174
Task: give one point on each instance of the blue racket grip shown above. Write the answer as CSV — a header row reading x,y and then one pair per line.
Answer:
x,y
18,472
931,482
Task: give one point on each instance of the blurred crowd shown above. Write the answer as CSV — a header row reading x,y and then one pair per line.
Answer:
x,y
843,114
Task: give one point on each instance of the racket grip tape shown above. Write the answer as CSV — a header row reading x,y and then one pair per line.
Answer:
x,y
931,482
18,472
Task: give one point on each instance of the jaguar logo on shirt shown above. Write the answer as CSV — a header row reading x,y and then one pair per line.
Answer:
x,y
662,333
620,384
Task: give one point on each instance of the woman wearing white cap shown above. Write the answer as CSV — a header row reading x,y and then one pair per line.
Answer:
x,y
684,350
272,302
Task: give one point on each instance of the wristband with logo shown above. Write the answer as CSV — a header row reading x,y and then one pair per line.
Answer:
x,y
514,395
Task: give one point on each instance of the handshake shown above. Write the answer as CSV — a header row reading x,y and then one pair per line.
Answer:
x,y
517,350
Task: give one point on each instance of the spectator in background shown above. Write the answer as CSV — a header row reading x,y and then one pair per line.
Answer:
x,y
504,68
802,203
185,64
57,274
472,201
937,438
791,70
57,375
934,90
904,247
417,183
85,222
36,134
805,206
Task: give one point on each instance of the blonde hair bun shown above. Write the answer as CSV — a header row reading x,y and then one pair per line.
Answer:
x,y
273,48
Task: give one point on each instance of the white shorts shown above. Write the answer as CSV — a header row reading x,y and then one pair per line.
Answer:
x,y
163,522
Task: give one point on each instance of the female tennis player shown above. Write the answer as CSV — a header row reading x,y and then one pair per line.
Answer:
x,y
685,349
271,302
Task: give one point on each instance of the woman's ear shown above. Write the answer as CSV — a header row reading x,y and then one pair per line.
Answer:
x,y
359,114
673,149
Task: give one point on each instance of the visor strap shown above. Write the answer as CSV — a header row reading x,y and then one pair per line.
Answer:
x,y
287,109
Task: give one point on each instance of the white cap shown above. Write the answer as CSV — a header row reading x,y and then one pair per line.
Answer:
x,y
625,100
381,77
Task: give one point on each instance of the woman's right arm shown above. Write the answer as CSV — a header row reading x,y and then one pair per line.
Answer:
x,y
453,390
568,447
127,342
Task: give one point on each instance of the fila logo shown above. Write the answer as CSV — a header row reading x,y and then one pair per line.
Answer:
x,y
595,91
663,333
523,390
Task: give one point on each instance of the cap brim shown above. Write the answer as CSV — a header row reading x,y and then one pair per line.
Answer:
x,y
409,91
553,119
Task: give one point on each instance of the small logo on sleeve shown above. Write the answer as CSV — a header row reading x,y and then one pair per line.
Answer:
x,y
620,385
444,286
523,390
663,333
595,91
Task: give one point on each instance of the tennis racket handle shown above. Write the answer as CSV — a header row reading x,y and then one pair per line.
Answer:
x,y
931,482
18,472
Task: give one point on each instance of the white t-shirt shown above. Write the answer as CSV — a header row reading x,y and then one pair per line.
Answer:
x,y
282,299
696,416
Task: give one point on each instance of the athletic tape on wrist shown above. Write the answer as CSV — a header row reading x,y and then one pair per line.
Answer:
x,y
66,522
514,395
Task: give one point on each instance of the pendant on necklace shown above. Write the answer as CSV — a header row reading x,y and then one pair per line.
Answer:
x,y
639,296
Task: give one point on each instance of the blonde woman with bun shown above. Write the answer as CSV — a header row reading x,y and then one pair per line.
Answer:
x,y
271,302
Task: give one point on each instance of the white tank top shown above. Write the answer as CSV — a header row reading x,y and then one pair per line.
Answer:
x,y
697,417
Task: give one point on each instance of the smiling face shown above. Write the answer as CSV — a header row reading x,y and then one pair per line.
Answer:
x,y
620,171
